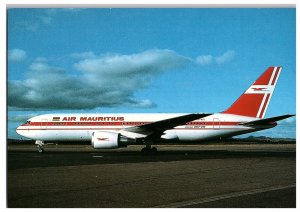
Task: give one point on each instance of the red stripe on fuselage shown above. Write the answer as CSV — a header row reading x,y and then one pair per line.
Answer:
x,y
187,128
87,124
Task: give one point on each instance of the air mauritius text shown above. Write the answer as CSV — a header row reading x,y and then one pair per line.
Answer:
x,y
96,118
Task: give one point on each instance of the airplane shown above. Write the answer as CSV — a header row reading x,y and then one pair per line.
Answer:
x,y
104,131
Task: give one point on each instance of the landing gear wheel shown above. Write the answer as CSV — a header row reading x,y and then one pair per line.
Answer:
x,y
145,150
40,149
149,150
153,150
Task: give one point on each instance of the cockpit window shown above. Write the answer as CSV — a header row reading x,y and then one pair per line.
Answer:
x,y
27,122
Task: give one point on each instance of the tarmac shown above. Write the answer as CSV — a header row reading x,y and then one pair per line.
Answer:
x,y
192,176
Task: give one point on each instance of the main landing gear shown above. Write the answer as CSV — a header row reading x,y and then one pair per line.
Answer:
x,y
149,150
40,144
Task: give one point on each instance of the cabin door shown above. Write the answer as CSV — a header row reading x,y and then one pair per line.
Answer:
x,y
44,123
216,124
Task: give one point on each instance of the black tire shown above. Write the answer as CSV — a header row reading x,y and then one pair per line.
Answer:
x,y
154,150
144,150
147,150
40,149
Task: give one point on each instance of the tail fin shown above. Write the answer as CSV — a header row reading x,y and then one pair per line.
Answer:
x,y
254,102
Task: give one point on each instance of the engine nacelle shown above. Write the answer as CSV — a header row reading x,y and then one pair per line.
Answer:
x,y
105,140
109,140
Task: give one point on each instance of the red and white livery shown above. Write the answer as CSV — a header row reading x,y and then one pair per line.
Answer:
x,y
245,115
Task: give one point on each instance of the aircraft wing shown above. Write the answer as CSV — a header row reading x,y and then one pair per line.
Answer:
x,y
158,127
267,120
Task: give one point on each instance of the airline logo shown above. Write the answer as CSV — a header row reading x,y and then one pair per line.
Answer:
x,y
268,91
56,119
260,89
254,102
102,139
266,88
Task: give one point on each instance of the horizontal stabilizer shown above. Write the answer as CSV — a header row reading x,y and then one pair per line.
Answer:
x,y
268,120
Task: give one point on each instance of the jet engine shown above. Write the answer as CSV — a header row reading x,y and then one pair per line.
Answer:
x,y
109,140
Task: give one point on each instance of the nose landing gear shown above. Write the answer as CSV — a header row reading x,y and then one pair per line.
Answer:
x,y
40,144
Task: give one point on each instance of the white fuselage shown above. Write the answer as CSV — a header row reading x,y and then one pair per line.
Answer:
x,y
79,127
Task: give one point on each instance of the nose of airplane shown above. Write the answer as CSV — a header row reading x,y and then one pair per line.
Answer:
x,y
18,130
21,131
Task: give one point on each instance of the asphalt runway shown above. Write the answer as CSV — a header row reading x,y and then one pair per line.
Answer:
x,y
202,176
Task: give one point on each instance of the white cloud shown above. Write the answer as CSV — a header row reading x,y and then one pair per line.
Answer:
x,y
39,66
150,61
226,57
45,18
105,81
83,55
29,25
108,80
16,55
20,118
204,60
144,103
40,59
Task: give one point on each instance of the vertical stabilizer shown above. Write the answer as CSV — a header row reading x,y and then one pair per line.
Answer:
x,y
254,102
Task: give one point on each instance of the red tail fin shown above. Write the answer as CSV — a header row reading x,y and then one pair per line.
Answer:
x,y
254,102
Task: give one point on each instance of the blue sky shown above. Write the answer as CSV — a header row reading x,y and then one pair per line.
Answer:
x,y
147,60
